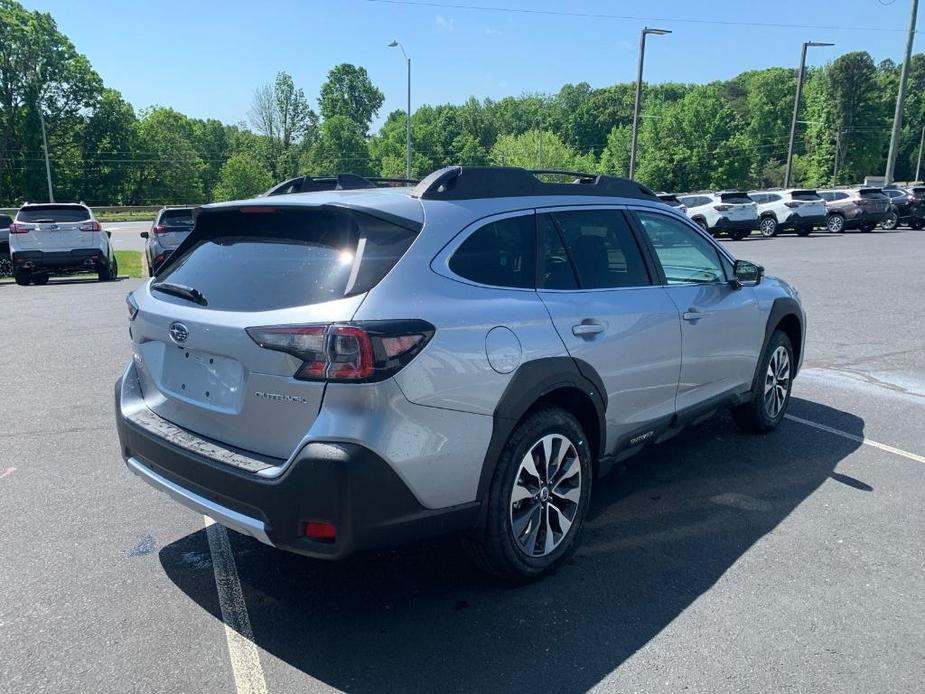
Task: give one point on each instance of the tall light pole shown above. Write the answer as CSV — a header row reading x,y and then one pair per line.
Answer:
x,y
396,44
796,108
642,57
51,193
900,98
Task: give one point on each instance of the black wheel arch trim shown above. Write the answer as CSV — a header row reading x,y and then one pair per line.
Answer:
x,y
783,307
530,383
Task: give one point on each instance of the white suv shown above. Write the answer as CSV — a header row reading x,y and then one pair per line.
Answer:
x,y
729,211
798,209
59,239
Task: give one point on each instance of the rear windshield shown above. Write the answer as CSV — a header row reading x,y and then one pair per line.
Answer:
x,y
870,192
670,199
918,190
735,198
805,195
53,213
177,218
285,257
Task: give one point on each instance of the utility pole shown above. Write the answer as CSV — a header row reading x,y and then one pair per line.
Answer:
x,y
796,108
837,153
918,164
51,194
642,58
900,98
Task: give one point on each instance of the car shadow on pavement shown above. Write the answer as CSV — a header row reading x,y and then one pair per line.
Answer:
x,y
662,529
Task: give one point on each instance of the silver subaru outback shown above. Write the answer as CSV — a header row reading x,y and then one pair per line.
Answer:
x,y
336,371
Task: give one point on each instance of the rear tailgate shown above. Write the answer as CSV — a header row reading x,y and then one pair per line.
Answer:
x,y
55,227
873,200
739,206
271,266
807,203
174,226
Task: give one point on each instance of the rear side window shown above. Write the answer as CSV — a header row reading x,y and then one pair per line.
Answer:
x,y
5,221
601,248
285,257
870,192
805,195
501,254
53,213
177,218
735,198
839,196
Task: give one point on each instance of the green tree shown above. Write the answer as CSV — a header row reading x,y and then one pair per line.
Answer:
x,y
281,113
341,148
167,168
241,177
536,149
349,93
38,64
107,141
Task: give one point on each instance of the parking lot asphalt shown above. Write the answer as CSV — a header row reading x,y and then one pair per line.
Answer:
x,y
715,562
126,235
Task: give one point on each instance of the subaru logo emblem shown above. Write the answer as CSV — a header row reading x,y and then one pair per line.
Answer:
x,y
178,333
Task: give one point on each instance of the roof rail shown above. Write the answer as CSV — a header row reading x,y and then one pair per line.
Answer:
x,y
341,181
389,181
471,182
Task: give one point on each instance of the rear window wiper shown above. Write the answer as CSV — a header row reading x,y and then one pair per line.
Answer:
x,y
182,291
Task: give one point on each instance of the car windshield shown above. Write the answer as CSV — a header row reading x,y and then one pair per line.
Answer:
x,y
53,213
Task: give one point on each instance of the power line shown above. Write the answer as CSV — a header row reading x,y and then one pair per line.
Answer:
x,y
637,18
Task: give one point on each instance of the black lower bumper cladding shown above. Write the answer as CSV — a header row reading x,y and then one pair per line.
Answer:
x,y
343,484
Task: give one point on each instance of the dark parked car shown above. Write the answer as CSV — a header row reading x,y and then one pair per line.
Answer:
x,y
908,207
855,208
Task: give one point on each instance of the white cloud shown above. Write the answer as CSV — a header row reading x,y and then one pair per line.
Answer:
x,y
445,23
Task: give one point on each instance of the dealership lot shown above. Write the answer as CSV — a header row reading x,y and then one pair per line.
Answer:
x,y
714,562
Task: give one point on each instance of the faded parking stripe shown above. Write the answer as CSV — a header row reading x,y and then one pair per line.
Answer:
x,y
860,439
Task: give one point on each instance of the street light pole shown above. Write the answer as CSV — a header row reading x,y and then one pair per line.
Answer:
x,y
51,194
642,58
900,99
395,44
796,108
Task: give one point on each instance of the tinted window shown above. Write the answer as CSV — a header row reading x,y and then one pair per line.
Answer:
x,y
602,249
825,195
840,196
805,195
684,254
771,198
557,267
5,221
270,260
735,198
53,213
177,218
871,192
759,197
500,254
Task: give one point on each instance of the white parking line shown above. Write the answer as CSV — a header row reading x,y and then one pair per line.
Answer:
x,y
859,439
245,660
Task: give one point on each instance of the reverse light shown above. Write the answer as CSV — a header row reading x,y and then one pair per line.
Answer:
x,y
360,352
90,226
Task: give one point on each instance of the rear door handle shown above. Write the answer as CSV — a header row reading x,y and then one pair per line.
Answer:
x,y
692,315
584,329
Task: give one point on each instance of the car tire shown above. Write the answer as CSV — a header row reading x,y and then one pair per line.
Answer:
x,y
739,234
107,272
22,277
891,222
835,223
804,231
770,394
39,278
916,224
529,527
867,228
768,227
702,223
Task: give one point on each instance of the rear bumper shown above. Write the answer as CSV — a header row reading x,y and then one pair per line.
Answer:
x,y
344,484
797,220
77,259
725,224
861,217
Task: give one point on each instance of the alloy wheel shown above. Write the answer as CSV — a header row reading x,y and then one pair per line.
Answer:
x,y
767,227
836,223
546,495
891,222
777,382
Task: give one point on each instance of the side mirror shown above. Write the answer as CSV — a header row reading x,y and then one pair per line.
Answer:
x,y
144,234
746,273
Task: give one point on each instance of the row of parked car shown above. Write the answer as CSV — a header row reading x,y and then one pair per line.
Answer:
x,y
801,210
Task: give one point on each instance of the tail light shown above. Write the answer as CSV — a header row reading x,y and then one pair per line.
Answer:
x,y
160,230
19,228
361,352
791,204
90,226
722,208
858,201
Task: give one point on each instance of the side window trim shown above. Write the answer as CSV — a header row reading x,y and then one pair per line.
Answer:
x,y
441,262
636,225
653,271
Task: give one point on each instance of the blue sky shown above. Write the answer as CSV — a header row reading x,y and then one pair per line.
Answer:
x,y
206,57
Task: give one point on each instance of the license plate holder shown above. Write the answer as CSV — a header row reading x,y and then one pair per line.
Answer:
x,y
204,379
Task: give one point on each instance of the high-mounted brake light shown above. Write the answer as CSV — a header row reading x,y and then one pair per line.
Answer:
x,y
90,226
360,352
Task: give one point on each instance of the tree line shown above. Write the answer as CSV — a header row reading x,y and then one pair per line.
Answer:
x,y
725,134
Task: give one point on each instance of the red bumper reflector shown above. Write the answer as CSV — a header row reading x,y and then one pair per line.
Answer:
x,y
320,531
